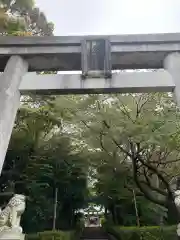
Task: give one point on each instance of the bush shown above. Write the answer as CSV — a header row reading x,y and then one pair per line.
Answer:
x,y
32,237
51,235
143,233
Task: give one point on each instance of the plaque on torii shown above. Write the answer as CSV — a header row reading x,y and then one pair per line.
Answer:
x,y
96,58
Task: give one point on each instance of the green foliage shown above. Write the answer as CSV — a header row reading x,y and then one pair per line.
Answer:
x,y
52,235
133,143
40,159
63,142
147,233
34,236
29,20
118,143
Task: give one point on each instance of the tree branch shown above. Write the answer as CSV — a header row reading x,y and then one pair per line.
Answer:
x,y
167,162
143,189
115,141
158,190
160,176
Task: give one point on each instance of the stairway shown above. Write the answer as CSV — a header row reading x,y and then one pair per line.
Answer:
x,y
94,233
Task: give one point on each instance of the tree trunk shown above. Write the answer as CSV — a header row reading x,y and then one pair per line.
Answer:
x,y
136,209
106,212
55,209
115,214
173,216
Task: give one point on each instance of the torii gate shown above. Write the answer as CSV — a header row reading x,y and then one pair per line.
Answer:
x,y
95,56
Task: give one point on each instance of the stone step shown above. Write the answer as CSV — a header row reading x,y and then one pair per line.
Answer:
x,y
94,233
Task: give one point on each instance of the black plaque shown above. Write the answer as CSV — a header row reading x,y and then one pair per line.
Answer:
x,y
96,58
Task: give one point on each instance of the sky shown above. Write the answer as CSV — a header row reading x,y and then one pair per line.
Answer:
x,y
83,17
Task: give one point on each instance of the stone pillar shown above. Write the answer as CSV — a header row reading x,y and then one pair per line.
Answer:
x,y
9,100
172,65
178,231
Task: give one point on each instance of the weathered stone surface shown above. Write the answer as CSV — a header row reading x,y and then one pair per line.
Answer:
x,y
9,100
64,53
10,218
122,82
172,65
12,235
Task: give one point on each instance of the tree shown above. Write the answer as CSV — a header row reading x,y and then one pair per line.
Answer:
x,y
21,17
17,17
141,131
57,168
41,159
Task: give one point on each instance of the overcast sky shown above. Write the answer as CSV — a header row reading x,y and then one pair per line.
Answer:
x,y
78,17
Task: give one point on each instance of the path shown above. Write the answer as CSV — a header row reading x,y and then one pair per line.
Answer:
x,y
94,233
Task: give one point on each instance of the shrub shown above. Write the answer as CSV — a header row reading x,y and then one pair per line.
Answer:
x,y
143,233
51,235
32,237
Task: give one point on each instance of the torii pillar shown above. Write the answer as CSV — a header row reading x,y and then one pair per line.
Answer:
x,y
10,80
172,65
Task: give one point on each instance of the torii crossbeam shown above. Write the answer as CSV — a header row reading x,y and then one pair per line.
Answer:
x,y
95,56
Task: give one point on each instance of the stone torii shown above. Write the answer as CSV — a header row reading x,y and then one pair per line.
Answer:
x,y
22,57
